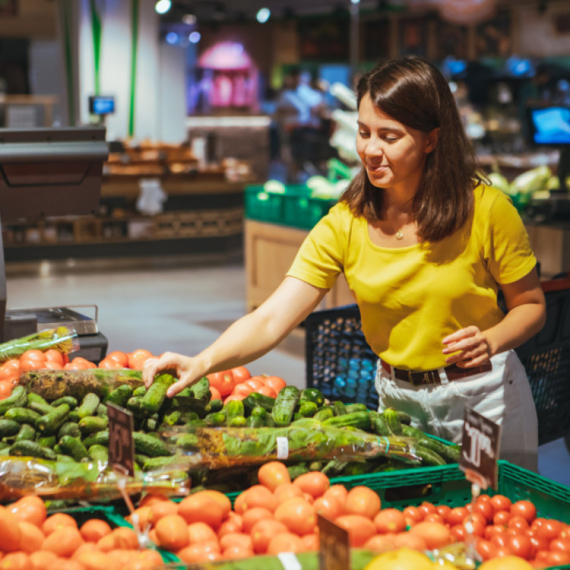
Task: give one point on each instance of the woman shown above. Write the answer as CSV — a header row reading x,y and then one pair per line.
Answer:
x,y
425,247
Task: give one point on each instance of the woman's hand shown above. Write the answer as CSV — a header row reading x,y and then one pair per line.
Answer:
x,y
185,368
471,346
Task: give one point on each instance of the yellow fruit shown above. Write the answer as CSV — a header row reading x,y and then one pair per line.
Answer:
x,y
402,559
506,563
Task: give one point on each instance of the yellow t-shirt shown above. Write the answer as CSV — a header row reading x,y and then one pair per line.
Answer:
x,y
412,297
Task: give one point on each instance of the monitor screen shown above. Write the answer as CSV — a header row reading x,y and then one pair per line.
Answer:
x,y
550,125
101,105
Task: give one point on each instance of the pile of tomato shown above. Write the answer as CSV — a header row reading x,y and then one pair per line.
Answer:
x,y
237,383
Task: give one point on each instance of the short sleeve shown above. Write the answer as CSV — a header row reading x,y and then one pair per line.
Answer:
x,y
507,246
320,258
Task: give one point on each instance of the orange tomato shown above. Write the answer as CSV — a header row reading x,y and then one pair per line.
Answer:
x,y
273,474
256,496
137,358
413,515
390,521
315,484
252,516
262,533
52,365
63,541
242,390
338,491
409,540
5,389
198,553
223,382
238,539
109,364
284,542
94,530
234,397
33,355
231,526
119,357
76,366
27,365
275,383
12,363
56,521
7,372
141,517
172,531
254,383
42,559
201,508
362,501
328,507
16,561
215,393
287,491
240,374
267,391
297,515
161,509
29,509
360,529
151,499
98,561
85,547
435,535
200,532
310,542
31,537
380,543
9,531
236,552
53,355
125,538
107,543
221,499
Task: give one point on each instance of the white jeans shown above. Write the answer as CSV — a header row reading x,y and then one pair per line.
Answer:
x,y
502,395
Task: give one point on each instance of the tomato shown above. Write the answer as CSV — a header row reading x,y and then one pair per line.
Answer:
x,y
501,518
491,531
267,391
500,540
524,509
360,529
518,523
475,524
412,515
458,532
549,530
75,366
557,558
537,523
5,389
485,508
390,521
427,509
502,552
34,355
483,499
234,397
331,508
6,373
299,517
242,390
273,474
411,541
361,501
53,355
316,484
434,518
275,383
501,503
223,382
457,515
487,550
443,511
215,394
138,357
520,545
560,545
110,364
240,374
262,533
26,365
52,365
12,363
537,544
436,535
254,383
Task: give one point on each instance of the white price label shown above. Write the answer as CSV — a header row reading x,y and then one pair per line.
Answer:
x,y
289,560
282,448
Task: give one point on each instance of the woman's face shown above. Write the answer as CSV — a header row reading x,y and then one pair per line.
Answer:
x,y
391,152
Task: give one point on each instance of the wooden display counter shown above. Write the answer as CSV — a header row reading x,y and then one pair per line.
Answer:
x,y
269,252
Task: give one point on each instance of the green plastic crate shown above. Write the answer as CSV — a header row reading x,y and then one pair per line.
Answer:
x,y
295,207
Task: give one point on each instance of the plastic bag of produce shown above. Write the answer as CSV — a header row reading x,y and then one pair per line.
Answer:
x,y
61,338
531,181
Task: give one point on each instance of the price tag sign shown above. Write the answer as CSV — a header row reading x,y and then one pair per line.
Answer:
x,y
121,444
334,547
480,449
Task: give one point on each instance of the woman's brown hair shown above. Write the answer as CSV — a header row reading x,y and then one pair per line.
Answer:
x,y
416,94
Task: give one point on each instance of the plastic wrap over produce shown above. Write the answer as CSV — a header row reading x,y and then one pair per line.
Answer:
x,y
303,440
20,476
61,339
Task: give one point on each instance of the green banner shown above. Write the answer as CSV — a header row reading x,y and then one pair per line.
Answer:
x,y
96,28
134,49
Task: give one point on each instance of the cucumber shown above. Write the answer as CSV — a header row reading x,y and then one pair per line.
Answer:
x,y
26,432
101,411
285,405
50,423
17,399
28,448
99,438
259,412
73,447
69,400
73,416
307,409
190,417
393,422
38,404
254,422
237,422
4,445
60,458
57,449
148,445
140,459
406,419
297,470
449,453
216,406
99,453
255,399
119,396
156,395
47,441
92,424
22,415
428,456
172,418
201,390
234,409
380,426
195,424
339,409
324,413
312,395
139,392
359,420
134,405
8,427
315,466
351,408
356,468
88,405
187,442
69,428
149,424
217,419
160,462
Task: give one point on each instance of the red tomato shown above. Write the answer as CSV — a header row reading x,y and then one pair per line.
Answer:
x,y
75,366
537,544
267,391
501,518
242,390
412,515
34,355
457,516
560,545
110,364
549,530
434,517
427,509
120,357
520,545
137,358
537,523
275,383
52,365
232,398
215,393
500,540
491,531
12,363
53,355
483,499
26,364
223,382
443,511
5,389
6,372
240,374
458,532
254,383
485,508
501,503
524,509
557,558
487,550
477,522
518,523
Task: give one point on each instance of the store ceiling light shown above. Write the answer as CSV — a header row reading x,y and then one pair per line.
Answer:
x,y
172,38
263,15
194,37
355,1
189,19
162,6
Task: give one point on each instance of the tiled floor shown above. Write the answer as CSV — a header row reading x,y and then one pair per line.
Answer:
x,y
177,304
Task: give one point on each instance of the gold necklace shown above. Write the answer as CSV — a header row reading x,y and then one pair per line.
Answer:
x,y
399,232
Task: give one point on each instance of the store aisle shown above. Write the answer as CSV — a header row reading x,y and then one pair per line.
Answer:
x,y
177,305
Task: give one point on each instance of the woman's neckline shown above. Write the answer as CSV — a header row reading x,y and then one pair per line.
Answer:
x,y
403,249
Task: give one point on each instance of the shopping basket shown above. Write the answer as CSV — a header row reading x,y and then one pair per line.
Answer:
x,y
341,364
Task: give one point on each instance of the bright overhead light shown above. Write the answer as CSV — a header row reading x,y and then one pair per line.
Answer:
x,y
172,38
194,37
355,1
263,15
189,19
162,6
